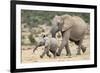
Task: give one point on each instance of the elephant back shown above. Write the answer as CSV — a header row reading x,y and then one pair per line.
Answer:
x,y
78,21
66,16
79,27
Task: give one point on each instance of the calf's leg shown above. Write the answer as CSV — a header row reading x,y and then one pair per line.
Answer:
x,y
48,54
45,52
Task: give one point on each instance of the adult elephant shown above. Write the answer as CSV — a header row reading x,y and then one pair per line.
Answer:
x,y
73,28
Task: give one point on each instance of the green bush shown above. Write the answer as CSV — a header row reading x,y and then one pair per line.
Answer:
x,y
35,17
43,30
36,35
23,37
32,39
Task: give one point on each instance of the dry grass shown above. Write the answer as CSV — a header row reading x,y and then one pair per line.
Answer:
x,y
28,56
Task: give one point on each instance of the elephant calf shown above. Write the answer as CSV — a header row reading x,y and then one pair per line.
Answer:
x,y
50,45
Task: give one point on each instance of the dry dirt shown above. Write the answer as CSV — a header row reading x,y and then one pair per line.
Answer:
x,y
27,55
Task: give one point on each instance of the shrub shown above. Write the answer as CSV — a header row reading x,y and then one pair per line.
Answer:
x,y
32,39
35,17
36,35
23,37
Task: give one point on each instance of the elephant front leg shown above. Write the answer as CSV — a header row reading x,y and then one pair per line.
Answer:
x,y
65,38
45,52
68,52
61,47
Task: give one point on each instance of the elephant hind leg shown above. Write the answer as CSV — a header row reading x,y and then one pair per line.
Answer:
x,y
80,47
53,52
45,52
48,54
83,48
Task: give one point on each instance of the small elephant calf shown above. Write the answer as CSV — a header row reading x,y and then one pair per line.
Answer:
x,y
50,46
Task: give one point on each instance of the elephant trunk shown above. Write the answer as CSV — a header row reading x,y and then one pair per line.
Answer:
x,y
53,31
35,48
41,43
53,35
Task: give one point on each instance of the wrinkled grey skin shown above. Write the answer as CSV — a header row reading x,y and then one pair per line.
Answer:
x,y
50,45
72,28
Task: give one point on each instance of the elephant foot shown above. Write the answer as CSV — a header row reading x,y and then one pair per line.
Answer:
x,y
41,56
84,49
68,54
57,54
78,53
49,56
54,56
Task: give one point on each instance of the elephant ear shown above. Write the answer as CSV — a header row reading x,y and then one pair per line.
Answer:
x,y
67,22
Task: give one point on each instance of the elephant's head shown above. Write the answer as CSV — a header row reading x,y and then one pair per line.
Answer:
x,y
55,22
61,23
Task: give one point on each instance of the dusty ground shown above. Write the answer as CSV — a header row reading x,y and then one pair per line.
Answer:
x,y
29,57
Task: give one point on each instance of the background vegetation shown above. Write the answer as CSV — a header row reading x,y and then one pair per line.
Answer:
x,y
34,17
